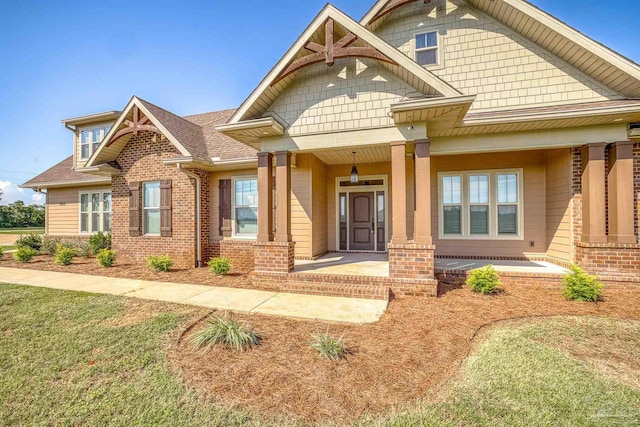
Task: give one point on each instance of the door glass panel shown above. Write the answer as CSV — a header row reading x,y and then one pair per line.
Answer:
x,y
343,207
380,207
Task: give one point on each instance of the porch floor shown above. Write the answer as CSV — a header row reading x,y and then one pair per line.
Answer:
x,y
377,265
352,264
447,264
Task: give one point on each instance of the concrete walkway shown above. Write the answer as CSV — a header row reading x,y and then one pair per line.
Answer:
x,y
314,307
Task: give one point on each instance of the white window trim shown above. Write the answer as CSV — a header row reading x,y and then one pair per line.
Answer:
x,y
234,235
144,225
439,48
493,206
101,212
90,142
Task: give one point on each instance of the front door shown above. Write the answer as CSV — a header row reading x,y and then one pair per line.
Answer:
x,y
362,226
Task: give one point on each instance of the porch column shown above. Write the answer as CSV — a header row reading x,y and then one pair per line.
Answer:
x,y
621,228
422,221
593,194
399,192
265,197
283,195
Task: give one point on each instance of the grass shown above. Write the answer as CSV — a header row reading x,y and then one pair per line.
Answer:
x,y
36,230
67,360
8,248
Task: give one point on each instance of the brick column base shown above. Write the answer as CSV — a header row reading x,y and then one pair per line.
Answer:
x,y
609,259
411,269
274,257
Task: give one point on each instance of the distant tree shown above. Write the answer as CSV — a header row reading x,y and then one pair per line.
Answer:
x,y
0,195
18,214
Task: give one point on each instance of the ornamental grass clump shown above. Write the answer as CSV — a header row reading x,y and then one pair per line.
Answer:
x,y
159,262
106,257
581,286
484,280
64,255
328,346
219,266
227,331
24,254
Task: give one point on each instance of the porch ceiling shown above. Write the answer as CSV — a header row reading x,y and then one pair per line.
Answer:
x,y
364,154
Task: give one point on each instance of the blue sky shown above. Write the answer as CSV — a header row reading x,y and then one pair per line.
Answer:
x,y
64,59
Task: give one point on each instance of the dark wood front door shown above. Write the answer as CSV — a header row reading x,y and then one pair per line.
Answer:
x,y
362,227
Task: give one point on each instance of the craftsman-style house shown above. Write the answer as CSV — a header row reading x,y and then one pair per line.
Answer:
x,y
428,132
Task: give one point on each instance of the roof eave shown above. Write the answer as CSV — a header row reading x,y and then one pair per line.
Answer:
x,y
91,118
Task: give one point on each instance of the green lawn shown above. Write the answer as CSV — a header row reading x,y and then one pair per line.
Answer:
x,y
8,248
37,230
66,361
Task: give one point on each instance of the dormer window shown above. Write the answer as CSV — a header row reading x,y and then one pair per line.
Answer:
x,y
427,48
84,144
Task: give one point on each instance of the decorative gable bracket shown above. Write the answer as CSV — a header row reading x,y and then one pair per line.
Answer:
x,y
134,126
390,6
332,50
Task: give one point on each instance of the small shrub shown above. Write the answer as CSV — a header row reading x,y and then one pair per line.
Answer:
x,y
484,280
159,262
99,242
24,254
31,240
64,255
1,252
328,346
227,331
219,266
581,286
106,257
49,245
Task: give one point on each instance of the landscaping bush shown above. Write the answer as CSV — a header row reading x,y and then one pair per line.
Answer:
x,y
31,240
227,331
106,257
328,346
1,252
64,255
49,245
24,254
219,266
581,286
159,262
99,242
484,280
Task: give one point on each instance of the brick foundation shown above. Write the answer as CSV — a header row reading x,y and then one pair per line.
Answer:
x,y
274,257
240,252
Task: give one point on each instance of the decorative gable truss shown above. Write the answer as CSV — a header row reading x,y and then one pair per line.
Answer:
x,y
134,126
331,51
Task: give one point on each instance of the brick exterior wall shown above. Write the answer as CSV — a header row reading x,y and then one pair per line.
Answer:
x,y
240,252
140,161
274,257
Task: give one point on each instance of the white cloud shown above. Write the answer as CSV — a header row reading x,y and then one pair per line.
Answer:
x,y
11,193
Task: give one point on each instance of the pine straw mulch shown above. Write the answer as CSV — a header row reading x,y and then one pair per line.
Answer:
x,y
132,270
410,354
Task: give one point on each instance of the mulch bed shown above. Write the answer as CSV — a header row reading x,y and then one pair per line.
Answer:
x,y
410,354
132,270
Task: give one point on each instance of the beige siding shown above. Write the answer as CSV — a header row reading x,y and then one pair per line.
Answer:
x,y
301,209
558,183
481,56
353,94
533,165
63,209
319,195
334,171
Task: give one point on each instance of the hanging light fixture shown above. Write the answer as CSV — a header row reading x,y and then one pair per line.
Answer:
x,y
354,170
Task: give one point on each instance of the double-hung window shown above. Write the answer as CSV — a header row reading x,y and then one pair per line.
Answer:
x,y
245,207
95,212
84,144
480,204
426,48
151,208
95,138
